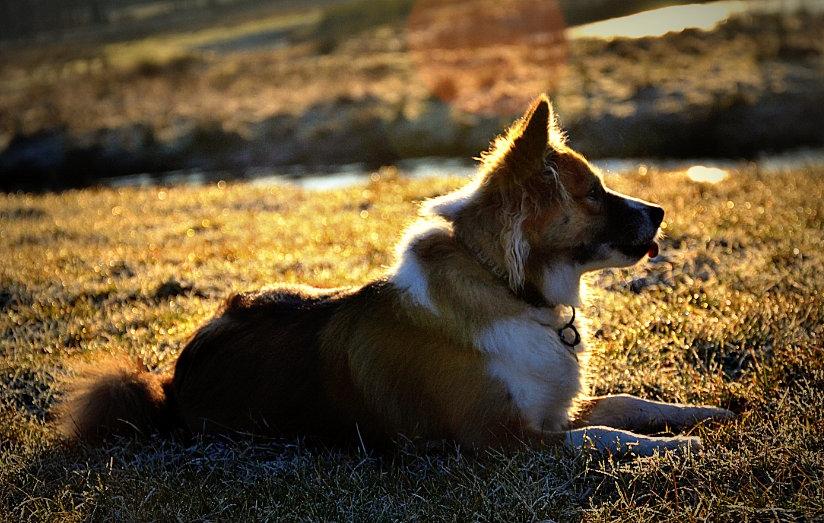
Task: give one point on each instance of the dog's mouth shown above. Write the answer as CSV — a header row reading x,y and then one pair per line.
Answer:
x,y
638,250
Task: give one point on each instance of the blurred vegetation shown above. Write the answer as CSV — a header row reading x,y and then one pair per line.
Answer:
x,y
731,314
342,21
351,17
319,84
112,20
116,19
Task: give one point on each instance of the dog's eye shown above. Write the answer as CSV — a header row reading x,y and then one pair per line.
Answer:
x,y
593,193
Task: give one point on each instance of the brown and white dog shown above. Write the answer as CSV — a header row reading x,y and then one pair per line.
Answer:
x,y
468,338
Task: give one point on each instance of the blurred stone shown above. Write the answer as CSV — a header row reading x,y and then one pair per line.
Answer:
x,y
171,288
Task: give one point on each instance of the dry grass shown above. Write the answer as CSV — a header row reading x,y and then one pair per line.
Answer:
x,y
730,315
170,81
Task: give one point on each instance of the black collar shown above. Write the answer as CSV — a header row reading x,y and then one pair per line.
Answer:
x,y
530,294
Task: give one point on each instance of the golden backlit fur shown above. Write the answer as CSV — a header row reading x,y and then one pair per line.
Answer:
x,y
114,396
459,341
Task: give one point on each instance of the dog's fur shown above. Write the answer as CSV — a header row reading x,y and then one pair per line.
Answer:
x,y
459,341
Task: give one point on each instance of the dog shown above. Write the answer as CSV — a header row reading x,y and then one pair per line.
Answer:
x,y
471,337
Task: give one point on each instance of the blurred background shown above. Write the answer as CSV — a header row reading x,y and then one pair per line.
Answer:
x,y
135,92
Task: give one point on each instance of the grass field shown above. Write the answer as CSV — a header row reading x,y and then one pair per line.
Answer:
x,y
730,314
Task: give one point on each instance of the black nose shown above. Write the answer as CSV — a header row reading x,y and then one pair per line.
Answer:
x,y
656,214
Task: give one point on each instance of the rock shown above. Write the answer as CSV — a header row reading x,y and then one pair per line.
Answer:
x,y
171,288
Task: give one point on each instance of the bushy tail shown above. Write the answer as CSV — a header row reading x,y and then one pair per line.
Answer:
x,y
115,397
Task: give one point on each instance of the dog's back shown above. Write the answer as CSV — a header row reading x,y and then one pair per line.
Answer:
x,y
256,367
344,366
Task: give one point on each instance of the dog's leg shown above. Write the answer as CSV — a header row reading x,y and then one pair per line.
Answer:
x,y
606,440
618,442
632,413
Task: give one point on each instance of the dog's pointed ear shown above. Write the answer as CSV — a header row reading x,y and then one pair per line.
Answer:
x,y
532,137
521,150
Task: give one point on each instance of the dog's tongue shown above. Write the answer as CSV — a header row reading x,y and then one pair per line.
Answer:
x,y
653,250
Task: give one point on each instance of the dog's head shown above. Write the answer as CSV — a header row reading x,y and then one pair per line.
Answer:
x,y
542,214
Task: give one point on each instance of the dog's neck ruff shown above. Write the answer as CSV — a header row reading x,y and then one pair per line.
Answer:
x,y
529,294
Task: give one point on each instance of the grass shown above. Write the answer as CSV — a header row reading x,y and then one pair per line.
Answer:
x,y
730,314
163,48
85,89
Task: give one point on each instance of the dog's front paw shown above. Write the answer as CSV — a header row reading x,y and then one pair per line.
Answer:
x,y
680,444
686,444
703,414
721,415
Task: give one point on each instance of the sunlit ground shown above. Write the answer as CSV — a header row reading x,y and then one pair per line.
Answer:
x,y
730,314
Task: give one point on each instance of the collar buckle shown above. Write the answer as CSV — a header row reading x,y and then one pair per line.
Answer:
x,y
567,331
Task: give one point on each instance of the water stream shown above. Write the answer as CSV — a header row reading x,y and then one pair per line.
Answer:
x,y
353,174
657,22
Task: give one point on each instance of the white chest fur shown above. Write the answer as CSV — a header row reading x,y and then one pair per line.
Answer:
x,y
539,371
